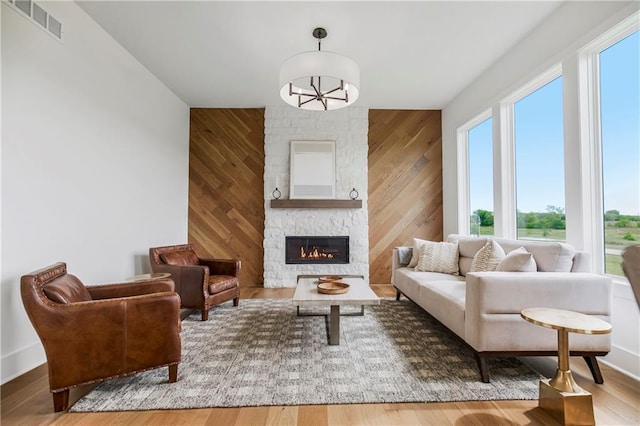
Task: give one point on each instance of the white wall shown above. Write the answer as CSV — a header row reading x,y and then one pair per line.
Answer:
x,y
94,163
555,41
349,128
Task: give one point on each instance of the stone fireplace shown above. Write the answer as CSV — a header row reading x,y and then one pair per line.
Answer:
x,y
348,127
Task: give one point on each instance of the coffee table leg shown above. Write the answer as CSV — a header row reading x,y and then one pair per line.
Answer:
x,y
334,325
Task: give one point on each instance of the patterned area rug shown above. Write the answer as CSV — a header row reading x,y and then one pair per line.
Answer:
x,y
261,353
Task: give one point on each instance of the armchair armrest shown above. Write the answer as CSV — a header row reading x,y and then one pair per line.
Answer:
x,y
192,283
222,266
126,289
107,338
186,274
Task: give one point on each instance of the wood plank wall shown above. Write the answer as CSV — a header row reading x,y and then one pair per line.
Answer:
x,y
405,183
226,169
226,197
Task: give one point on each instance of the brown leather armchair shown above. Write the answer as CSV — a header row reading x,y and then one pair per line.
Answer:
x,y
201,283
100,332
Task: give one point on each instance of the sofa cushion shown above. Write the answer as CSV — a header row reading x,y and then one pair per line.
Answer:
x,y
518,260
405,280
467,248
488,257
445,301
66,289
180,258
415,254
438,257
550,256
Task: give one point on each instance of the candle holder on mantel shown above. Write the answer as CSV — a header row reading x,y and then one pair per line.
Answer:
x,y
276,194
354,194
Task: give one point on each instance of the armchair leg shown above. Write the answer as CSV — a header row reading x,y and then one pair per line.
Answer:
x,y
205,313
592,363
236,300
173,373
60,400
398,294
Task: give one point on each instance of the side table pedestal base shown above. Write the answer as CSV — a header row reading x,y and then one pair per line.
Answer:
x,y
566,407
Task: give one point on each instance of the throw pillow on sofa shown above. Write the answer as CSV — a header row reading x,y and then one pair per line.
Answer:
x,y
488,257
438,257
404,255
415,255
518,260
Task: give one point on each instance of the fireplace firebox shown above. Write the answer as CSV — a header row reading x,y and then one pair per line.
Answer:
x,y
316,250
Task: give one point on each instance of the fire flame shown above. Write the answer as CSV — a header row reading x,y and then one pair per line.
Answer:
x,y
314,254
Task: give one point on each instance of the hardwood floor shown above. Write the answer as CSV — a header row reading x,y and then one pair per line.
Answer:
x,y
26,401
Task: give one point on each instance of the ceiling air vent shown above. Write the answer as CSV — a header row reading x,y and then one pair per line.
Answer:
x,y
36,14
55,27
24,6
39,15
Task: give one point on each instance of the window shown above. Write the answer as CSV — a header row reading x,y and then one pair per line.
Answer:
x,y
539,164
620,135
480,175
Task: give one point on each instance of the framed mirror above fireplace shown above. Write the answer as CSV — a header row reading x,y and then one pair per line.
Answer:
x,y
313,170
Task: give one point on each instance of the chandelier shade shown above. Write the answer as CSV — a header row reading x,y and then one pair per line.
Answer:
x,y
319,81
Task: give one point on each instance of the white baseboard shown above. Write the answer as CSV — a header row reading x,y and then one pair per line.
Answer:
x,y
623,360
21,361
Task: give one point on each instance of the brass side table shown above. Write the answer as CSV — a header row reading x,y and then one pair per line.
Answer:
x,y
561,396
149,277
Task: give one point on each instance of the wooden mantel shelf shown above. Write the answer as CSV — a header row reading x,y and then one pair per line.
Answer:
x,y
316,204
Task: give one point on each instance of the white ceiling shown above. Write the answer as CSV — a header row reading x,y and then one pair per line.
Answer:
x,y
412,55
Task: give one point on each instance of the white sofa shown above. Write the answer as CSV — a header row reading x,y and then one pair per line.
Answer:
x,y
483,308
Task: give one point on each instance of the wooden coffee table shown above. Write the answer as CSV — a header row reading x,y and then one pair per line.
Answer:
x,y
359,294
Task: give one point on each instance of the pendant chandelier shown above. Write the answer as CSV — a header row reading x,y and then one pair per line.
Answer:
x,y
319,81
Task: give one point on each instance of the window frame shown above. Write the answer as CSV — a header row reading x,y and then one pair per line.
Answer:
x,y
590,118
508,143
584,198
504,167
462,138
